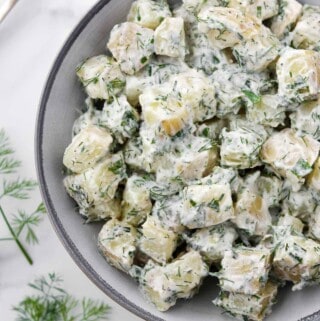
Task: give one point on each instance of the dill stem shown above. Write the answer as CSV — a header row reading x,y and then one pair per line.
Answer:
x,y
15,238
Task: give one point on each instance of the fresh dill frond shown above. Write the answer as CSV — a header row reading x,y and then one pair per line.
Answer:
x,y
52,303
8,164
26,222
18,188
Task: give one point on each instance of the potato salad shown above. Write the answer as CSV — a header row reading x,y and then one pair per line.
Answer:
x,y
199,149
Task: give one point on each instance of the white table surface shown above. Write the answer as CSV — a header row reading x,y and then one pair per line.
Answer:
x,y
30,38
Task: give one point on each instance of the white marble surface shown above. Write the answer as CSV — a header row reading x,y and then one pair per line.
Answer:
x,y
30,38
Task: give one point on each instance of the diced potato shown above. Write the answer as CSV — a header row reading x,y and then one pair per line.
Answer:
x,y
313,179
268,111
131,45
306,120
133,154
160,109
221,176
226,27
158,71
289,13
169,38
95,189
306,34
206,58
206,205
117,242
251,307
258,52
291,222
270,188
192,160
290,155
241,145
196,92
136,204
252,214
168,212
233,84
297,259
87,148
101,77
245,270
300,204
163,285
121,118
262,9
212,242
157,242
298,74
149,13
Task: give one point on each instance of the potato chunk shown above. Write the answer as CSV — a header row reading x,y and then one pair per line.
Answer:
x,y
149,13
206,205
95,189
252,214
306,34
245,270
241,145
298,74
158,108
262,9
290,155
297,259
290,11
101,77
136,203
212,242
131,45
169,38
120,118
306,119
226,27
258,52
156,241
117,243
251,307
268,111
87,148
163,285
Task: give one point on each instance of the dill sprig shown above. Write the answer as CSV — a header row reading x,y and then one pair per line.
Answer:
x,y
8,165
22,223
52,303
26,222
18,188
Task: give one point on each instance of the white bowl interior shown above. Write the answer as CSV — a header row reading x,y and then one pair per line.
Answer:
x,y
62,98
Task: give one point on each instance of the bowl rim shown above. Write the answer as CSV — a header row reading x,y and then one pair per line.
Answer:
x,y
65,239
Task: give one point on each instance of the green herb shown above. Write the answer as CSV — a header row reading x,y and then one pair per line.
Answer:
x,y
22,223
259,11
252,96
52,303
117,167
144,60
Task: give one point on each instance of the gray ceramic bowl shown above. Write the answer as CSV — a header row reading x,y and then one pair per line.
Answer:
x,y
61,98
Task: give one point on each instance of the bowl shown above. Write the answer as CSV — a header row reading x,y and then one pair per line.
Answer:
x,y
61,99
